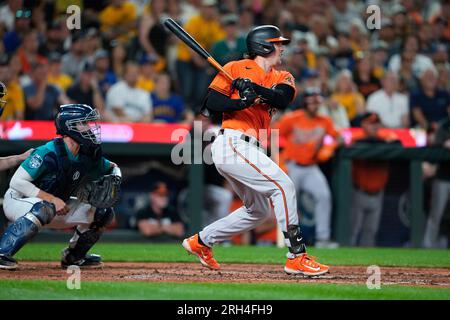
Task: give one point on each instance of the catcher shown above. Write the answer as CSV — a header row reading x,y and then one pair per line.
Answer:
x,y
62,184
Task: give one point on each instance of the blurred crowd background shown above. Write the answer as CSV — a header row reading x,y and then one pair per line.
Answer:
x,y
126,64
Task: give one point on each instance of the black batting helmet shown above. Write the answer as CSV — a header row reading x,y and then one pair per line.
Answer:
x,y
260,40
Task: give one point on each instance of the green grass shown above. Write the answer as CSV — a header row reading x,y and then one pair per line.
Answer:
x,y
54,290
39,289
249,254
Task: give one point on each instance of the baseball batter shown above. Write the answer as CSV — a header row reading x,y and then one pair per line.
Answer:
x,y
247,104
42,189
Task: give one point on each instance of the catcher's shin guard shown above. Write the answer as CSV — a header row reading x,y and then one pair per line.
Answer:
x,y
26,227
295,238
77,251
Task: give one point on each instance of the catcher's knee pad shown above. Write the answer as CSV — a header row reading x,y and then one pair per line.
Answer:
x,y
43,211
102,218
26,227
294,235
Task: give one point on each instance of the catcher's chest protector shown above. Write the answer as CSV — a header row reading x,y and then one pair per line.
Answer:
x,y
67,175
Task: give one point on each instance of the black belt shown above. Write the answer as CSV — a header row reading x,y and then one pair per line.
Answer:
x,y
245,137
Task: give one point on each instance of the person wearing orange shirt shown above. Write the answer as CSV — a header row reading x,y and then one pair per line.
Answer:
x,y
248,103
369,180
310,139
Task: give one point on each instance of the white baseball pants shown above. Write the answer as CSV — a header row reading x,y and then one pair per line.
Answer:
x,y
80,214
258,181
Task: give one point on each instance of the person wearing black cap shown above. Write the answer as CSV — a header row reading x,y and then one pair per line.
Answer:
x,y
86,90
369,180
159,217
55,76
72,61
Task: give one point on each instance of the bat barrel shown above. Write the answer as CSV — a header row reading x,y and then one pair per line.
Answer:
x,y
173,26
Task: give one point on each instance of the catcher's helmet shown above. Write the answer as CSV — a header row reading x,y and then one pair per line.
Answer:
x,y
78,121
260,40
2,96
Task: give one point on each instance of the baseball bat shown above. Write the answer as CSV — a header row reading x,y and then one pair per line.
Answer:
x,y
176,29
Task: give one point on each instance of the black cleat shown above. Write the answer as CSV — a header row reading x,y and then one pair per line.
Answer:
x,y
89,261
7,262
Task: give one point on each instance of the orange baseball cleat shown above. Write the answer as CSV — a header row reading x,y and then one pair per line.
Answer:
x,y
204,253
305,264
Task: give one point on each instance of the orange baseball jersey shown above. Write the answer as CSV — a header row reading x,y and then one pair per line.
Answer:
x,y
371,176
257,116
304,137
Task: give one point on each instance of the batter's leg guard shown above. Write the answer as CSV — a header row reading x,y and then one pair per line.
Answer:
x,y
24,229
76,253
295,239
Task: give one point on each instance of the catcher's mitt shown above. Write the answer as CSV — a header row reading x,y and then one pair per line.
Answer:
x,y
101,193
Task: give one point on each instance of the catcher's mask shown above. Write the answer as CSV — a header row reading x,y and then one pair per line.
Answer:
x,y
2,96
79,121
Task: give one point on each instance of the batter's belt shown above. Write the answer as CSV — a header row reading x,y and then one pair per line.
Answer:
x,y
244,137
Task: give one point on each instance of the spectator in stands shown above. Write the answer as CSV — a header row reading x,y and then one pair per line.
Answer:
x,y
420,62
342,57
408,81
54,38
8,13
118,59
105,77
429,105
146,80
126,102
306,146
369,179
391,105
118,20
42,99
159,217
380,58
440,192
334,110
192,70
72,61
55,76
86,91
15,102
233,46
343,14
92,43
168,107
153,36
346,94
28,52
365,80
22,25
